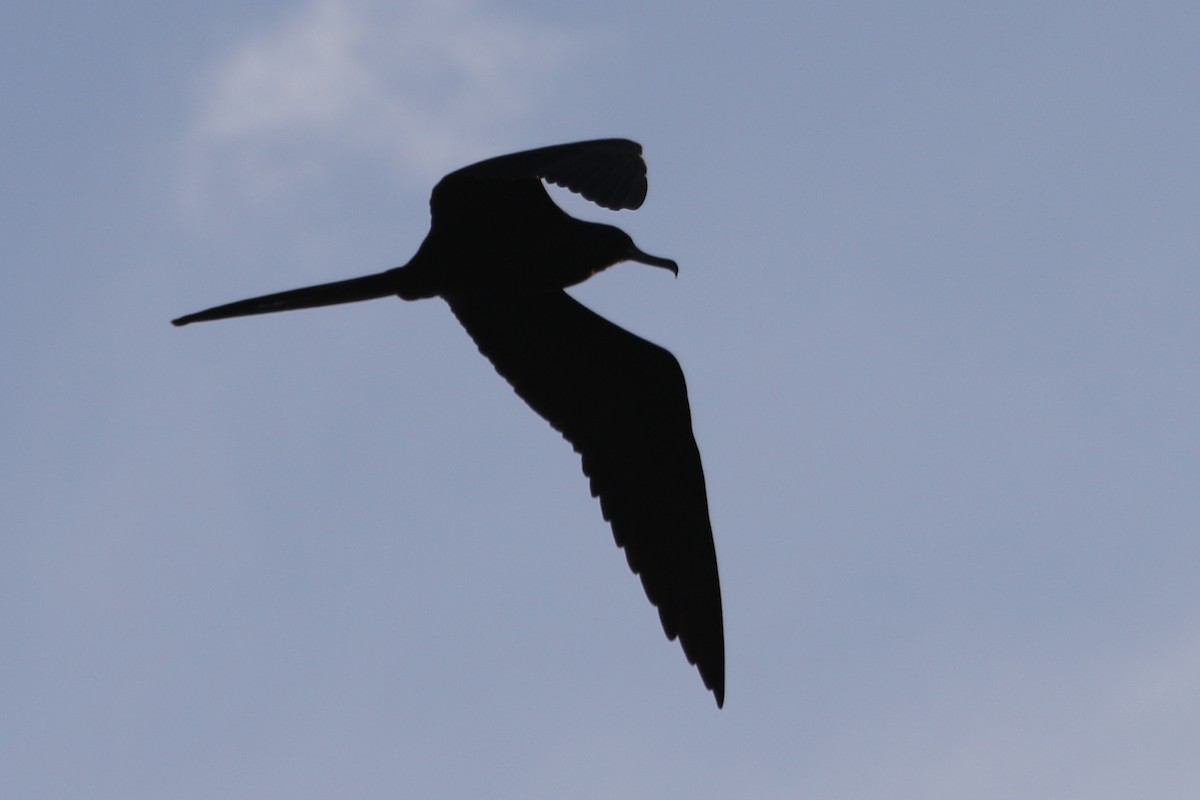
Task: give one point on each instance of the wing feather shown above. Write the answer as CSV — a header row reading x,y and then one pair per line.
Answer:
x,y
609,172
622,403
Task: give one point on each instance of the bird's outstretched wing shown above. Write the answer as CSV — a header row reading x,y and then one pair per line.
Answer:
x,y
609,172
622,403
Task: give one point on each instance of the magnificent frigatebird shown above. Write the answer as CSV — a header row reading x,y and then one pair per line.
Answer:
x,y
500,252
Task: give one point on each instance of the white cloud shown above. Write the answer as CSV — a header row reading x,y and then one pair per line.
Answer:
x,y
415,86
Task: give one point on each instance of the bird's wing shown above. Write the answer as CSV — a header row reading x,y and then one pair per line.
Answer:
x,y
622,403
609,172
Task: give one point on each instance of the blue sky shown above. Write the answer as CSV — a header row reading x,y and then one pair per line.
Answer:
x,y
936,309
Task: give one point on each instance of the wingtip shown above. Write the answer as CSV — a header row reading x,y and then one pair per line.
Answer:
x,y
717,687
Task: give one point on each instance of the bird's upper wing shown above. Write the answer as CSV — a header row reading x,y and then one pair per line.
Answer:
x,y
622,403
609,172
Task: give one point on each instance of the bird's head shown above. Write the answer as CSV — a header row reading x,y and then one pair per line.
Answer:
x,y
616,246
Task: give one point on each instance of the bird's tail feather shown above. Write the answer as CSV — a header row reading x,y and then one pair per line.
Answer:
x,y
354,290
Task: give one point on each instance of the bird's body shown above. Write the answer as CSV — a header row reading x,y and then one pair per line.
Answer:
x,y
522,253
500,252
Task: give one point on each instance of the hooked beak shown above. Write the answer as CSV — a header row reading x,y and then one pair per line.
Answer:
x,y
634,254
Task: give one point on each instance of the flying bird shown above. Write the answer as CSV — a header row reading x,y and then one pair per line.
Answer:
x,y
500,252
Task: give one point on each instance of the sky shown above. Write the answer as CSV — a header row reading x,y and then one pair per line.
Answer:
x,y
936,310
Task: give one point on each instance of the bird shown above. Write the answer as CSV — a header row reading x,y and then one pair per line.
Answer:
x,y
500,252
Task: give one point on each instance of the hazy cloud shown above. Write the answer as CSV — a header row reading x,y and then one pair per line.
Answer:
x,y
410,85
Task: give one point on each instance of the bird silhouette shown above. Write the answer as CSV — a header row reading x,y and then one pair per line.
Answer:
x,y
500,252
